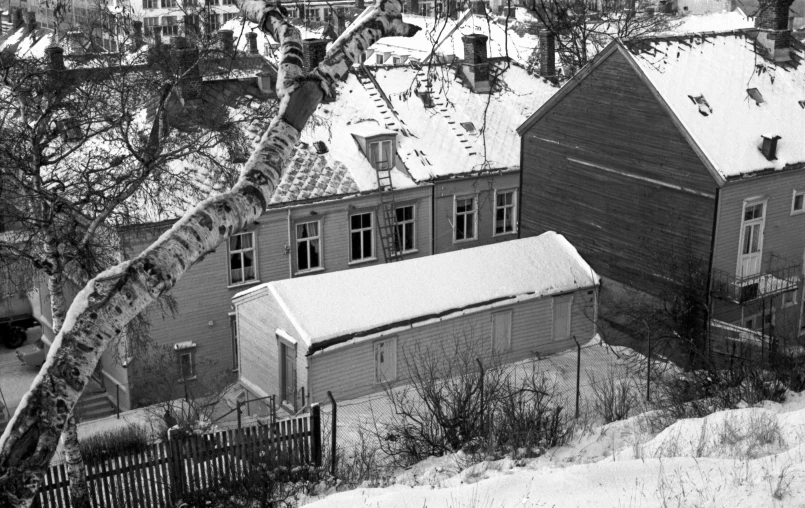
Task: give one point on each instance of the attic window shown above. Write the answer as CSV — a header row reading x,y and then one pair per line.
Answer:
x,y
755,94
700,101
468,126
380,155
320,147
427,100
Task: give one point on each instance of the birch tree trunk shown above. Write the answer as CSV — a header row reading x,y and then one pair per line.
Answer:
x,y
109,301
76,470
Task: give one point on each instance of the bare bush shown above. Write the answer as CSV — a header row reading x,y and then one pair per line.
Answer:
x,y
613,397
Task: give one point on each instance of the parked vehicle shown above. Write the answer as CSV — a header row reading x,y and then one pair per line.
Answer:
x,y
16,330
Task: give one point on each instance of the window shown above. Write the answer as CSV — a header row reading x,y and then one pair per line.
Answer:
x,y
465,217
233,329
149,23
798,202
166,4
241,259
229,2
312,14
505,212
287,369
751,247
228,15
185,356
396,60
404,230
385,360
502,331
308,246
150,4
379,59
789,298
361,233
171,25
213,22
561,317
380,155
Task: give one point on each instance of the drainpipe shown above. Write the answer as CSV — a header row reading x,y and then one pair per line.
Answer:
x,y
290,256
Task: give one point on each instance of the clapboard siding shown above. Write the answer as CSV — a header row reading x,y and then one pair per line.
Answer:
x,y
259,316
625,227
483,187
348,371
783,234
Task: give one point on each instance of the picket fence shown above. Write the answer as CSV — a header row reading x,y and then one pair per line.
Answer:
x,y
165,471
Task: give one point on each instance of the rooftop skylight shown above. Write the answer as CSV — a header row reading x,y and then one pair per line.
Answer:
x,y
755,94
468,126
320,147
704,107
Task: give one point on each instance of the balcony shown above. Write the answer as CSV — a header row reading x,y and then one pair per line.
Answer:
x,y
780,275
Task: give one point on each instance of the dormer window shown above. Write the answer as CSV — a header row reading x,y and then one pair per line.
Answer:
x,y
380,154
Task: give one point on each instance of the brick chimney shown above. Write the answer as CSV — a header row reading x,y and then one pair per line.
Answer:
x,y
30,24
137,37
251,39
340,22
187,65
547,52
314,51
769,146
55,57
476,65
225,38
478,7
19,19
775,36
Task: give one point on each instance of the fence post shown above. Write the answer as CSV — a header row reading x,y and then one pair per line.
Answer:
x,y
334,427
117,398
315,434
248,405
174,460
578,374
239,411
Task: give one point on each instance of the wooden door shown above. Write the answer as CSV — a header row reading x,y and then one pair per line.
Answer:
x,y
751,253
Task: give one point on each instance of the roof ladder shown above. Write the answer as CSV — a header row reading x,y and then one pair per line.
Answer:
x,y
387,218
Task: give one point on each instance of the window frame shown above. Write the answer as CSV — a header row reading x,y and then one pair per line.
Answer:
x,y
561,300
751,202
793,301
318,237
508,345
187,349
361,230
380,144
794,195
393,348
285,342
513,208
379,60
456,199
413,228
151,4
256,279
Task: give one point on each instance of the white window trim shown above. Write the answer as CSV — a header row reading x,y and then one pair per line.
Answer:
x,y
321,247
390,162
508,345
413,222
475,220
393,346
182,349
283,339
794,195
751,202
373,255
513,190
562,299
256,279
792,302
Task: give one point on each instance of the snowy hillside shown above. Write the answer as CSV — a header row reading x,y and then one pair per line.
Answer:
x,y
750,457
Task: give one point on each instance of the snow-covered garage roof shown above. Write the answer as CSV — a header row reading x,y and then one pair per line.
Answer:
x,y
342,304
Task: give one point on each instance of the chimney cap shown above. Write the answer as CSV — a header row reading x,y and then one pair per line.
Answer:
x,y
474,37
769,147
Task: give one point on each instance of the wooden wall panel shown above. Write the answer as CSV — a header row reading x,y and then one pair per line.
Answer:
x,y
627,228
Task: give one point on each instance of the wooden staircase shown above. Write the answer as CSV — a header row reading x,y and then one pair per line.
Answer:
x,y
93,404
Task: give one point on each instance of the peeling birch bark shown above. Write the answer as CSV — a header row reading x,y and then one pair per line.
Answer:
x,y
102,309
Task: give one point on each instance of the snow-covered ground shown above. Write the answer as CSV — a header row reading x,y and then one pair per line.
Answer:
x,y
750,457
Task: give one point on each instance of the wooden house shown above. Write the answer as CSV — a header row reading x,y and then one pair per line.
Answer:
x,y
349,332
668,151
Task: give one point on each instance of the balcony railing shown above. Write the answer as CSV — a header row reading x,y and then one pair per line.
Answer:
x,y
779,277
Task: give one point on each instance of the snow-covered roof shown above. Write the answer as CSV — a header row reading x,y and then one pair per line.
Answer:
x,y
345,303
721,68
713,22
465,131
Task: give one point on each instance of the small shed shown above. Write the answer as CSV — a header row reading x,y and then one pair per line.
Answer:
x,y
349,332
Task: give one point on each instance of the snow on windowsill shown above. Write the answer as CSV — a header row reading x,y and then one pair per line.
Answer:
x,y
362,261
312,270
188,344
243,284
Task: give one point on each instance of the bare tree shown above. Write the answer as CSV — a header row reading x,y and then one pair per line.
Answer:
x,y
113,298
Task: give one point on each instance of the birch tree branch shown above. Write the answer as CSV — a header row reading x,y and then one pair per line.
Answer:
x,y
102,309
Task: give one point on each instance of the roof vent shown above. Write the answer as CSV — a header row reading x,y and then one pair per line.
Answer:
x,y
320,147
704,107
468,126
769,147
427,100
802,104
755,94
